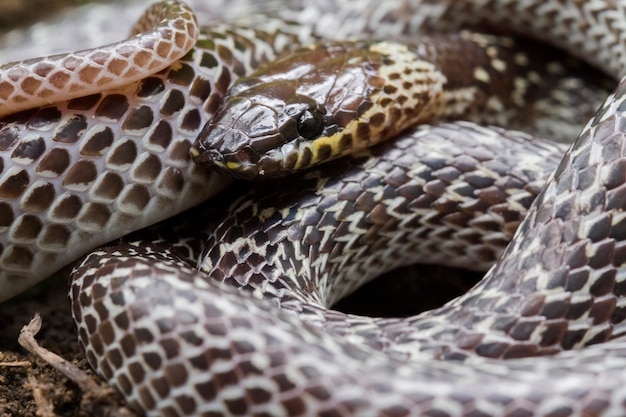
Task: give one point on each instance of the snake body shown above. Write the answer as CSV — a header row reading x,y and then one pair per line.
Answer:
x,y
292,115
176,343
82,172
167,31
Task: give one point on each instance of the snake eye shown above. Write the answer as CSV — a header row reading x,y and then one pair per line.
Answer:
x,y
310,124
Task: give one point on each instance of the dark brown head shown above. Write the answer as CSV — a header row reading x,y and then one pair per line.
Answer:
x,y
317,104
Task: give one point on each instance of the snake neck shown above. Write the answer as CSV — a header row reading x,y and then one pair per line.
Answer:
x,y
332,99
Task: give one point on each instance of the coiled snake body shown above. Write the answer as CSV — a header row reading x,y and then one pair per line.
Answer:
x,y
176,343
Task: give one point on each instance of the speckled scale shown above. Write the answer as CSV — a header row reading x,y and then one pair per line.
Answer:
x,y
524,307
291,218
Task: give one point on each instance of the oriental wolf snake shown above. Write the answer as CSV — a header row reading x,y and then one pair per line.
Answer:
x,y
541,334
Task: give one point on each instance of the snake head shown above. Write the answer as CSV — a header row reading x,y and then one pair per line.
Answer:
x,y
259,132
317,104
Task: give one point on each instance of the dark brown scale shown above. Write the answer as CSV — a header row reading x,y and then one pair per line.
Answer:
x,y
236,406
27,227
71,130
125,384
108,186
208,60
174,101
124,153
81,174
17,257
601,312
186,404
66,208
137,197
182,75
55,236
179,151
13,186
112,107
149,87
139,118
212,104
95,214
191,120
31,149
137,372
200,89
97,143
84,103
9,135
149,168
172,181
43,118
223,82
161,135
38,198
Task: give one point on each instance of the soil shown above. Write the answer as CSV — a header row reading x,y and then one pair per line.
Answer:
x,y
30,387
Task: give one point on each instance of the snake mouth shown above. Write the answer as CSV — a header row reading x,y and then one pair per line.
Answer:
x,y
242,164
243,155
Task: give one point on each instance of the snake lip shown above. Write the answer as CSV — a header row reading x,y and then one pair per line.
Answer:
x,y
207,157
241,164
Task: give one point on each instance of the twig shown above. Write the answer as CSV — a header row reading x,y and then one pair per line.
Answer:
x,y
17,364
80,378
96,398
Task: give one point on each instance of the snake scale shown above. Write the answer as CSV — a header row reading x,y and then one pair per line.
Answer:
x,y
176,343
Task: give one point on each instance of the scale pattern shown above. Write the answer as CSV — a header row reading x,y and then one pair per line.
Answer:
x,y
176,343
593,30
242,355
80,173
274,212
167,30
226,351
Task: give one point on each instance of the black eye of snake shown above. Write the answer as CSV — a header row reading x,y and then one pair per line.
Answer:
x,y
310,124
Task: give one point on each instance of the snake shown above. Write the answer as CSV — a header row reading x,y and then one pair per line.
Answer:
x,y
176,343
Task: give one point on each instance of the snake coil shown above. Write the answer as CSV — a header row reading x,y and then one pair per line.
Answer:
x,y
176,341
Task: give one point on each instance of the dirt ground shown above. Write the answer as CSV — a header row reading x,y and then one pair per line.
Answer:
x,y
31,388
28,386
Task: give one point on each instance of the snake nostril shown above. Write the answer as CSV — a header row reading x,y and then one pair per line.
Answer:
x,y
213,155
